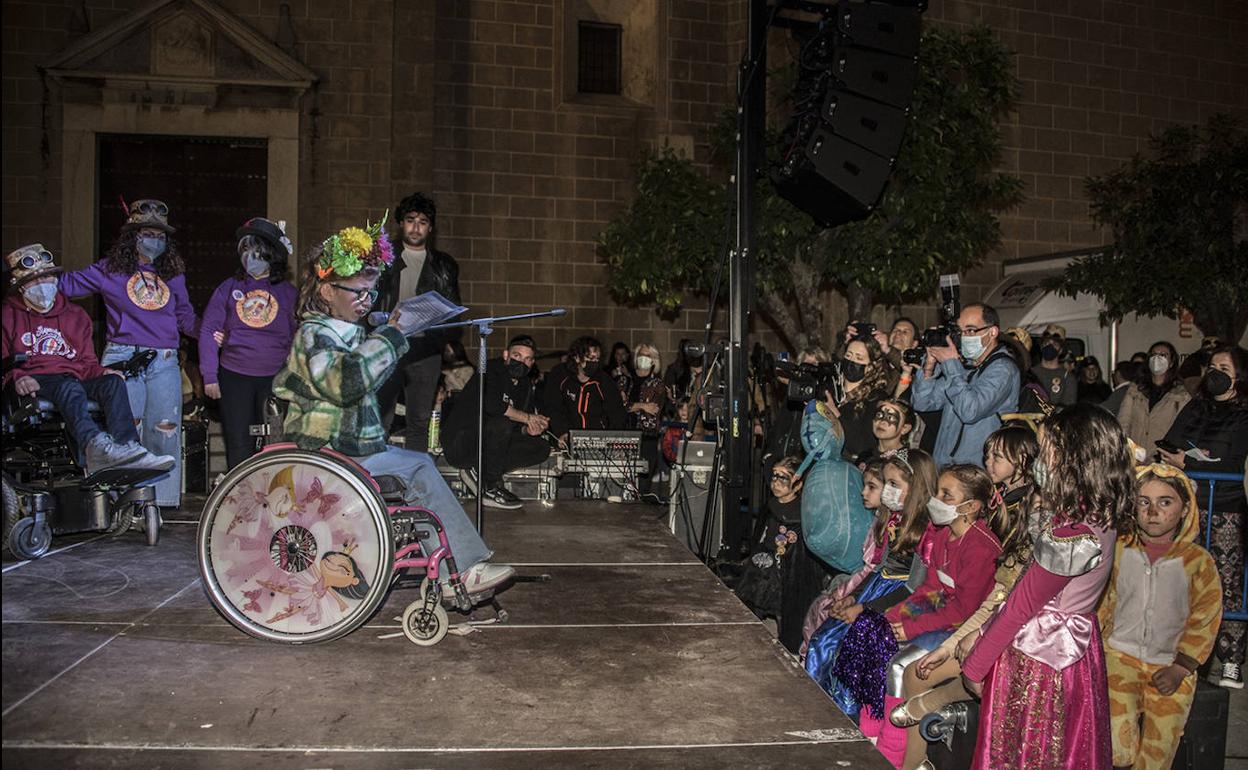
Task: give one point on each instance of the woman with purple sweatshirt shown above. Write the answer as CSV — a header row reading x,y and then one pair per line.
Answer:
x,y
144,290
253,314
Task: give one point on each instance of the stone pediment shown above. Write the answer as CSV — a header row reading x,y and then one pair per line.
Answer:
x,y
180,45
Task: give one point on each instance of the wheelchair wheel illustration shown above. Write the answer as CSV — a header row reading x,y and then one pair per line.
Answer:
x,y
296,546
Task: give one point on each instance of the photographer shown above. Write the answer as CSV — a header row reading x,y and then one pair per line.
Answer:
x,y
784,436
971,396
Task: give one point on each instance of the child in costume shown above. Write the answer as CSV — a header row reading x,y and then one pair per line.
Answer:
x,y
1008,455
331,377
1039,662
1160,617
143,284
909,482
251,317
961,553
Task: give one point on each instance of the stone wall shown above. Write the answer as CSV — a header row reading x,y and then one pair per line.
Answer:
x,y
471,101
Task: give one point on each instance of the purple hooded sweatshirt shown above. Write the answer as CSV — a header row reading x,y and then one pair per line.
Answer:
x,y
143,309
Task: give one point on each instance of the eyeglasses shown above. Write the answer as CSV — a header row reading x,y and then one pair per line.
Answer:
x,y
888,416
31,261
360,294
973,331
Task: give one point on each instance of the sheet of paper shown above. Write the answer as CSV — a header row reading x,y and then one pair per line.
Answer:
x,y
425,310
1197,454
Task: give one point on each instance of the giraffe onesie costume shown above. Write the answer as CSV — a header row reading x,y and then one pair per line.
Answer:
x,y
1152,613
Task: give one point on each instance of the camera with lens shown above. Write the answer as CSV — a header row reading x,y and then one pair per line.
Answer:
x,y
947,330
810,381
862,330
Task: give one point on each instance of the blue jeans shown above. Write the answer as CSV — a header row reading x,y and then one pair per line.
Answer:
x,y
70,395
427,489
156,403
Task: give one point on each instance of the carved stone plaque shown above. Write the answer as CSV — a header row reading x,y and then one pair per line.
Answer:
x,y
182,46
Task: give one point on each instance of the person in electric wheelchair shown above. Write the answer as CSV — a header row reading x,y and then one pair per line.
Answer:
x,y
330,381
60,366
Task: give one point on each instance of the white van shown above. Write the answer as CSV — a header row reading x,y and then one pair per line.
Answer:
x,y
1022,301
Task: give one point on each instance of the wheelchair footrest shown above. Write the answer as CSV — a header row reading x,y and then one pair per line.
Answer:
x,y
121,477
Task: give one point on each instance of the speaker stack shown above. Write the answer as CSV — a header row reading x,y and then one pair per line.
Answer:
x,y
852,98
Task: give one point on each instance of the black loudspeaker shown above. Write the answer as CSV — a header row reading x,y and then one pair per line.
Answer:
x,y
852,117
834,180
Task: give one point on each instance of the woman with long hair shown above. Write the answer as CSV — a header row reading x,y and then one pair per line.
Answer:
x,y
866,378
141,280
1216,424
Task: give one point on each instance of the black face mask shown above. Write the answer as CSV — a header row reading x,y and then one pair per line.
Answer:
x,y
593,367
1216,382
517,369
852,371
695,363
1048,352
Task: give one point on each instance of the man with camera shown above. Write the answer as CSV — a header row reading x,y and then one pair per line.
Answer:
x,y
971,384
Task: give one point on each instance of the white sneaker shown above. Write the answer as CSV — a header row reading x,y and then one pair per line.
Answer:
x,y
1231,677
104,453
149,461
483,576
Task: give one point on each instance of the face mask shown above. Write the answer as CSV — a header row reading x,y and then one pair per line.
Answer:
x,y
593,367
852,370
150,247
892,498
1158,364
255,265
1048,352
942,513
516,369
971,347
42,295
644,363
1039,472
1216,382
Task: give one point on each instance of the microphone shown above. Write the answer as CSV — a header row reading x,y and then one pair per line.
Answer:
x,y
378,318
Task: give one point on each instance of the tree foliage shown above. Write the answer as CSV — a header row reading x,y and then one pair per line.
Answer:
x,y
938,214
1174,218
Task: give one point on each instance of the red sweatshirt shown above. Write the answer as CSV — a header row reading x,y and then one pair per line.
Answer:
x,y
962,570
57,342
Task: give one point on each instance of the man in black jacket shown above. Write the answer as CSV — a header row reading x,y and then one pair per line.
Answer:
x,y
513,427
418,268
579,394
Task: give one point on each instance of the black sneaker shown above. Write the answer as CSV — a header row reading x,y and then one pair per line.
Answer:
x,y
497,497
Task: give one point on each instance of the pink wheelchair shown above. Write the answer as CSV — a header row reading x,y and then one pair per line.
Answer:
x,y
300,547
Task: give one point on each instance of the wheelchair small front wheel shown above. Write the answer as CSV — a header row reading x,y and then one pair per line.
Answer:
x,y
425,627
151,523
30,539
933,728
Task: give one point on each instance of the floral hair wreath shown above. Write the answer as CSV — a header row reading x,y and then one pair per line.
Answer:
x,y
349,250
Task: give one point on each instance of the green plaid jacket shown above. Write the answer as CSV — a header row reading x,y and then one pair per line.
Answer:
x,y
331,379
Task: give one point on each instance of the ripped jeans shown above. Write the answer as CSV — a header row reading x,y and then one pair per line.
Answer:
x,y
156,401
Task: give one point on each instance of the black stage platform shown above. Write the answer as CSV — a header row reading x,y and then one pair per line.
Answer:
x,y
631,655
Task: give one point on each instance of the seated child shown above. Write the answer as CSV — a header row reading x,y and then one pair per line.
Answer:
x,y
909,481
960,566
61,365
331,377
1159,619
1008,454
772,544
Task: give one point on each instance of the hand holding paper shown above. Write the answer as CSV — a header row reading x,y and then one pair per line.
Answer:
x,y
416,314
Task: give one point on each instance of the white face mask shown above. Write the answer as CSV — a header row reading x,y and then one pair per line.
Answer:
x,y
41,295
942,513
644,363
892,498
255,265
1158,364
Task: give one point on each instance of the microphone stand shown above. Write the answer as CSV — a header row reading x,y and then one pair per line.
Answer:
x,y
485,326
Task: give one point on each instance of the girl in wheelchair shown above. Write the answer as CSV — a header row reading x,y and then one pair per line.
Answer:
x,y
330,381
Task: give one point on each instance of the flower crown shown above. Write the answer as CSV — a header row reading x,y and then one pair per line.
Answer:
x,y
347,251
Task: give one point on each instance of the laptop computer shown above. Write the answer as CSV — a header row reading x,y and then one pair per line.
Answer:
x,y
696,454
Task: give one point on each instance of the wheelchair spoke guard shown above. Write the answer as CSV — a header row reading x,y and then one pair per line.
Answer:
x,y
296,546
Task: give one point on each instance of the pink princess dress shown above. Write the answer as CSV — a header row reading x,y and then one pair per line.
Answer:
x,y
1046,698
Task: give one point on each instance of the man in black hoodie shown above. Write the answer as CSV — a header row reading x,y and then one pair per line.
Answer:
x,y
418,268
579,394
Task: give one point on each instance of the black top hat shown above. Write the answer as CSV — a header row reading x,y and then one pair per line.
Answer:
x,y
273,232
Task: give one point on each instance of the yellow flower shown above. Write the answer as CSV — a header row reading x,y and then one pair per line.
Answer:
x,y
356,241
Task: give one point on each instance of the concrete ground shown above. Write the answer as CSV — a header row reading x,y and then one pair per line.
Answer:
x,y
632,654
1237,732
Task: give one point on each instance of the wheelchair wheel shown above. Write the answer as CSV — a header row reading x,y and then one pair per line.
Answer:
x,y
425,627
932,727
296,546
28,540
151,524
12,508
